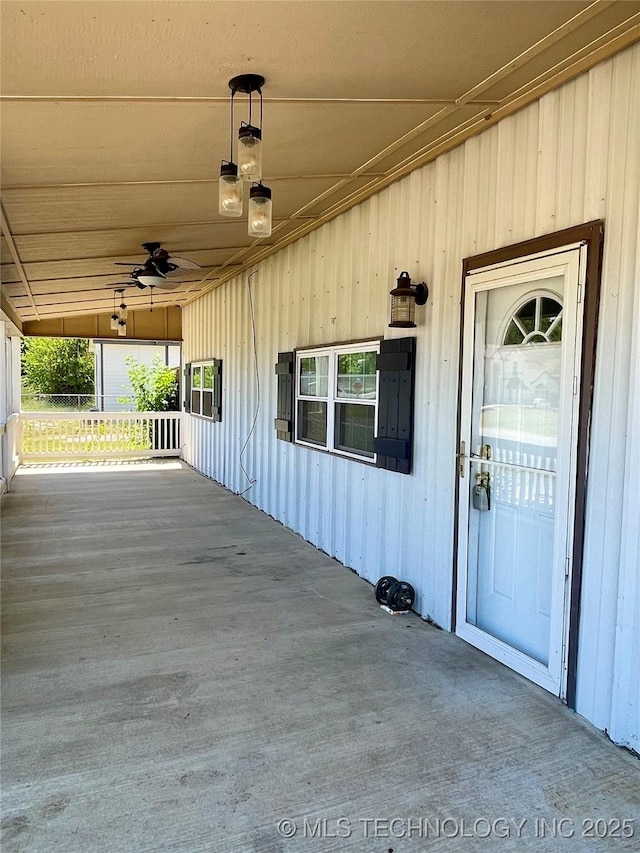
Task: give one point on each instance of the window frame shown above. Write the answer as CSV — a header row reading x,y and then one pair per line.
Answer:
x,y
332,399
216,392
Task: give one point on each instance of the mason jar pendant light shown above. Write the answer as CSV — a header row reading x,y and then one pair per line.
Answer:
x,y
259,211
230,185
230,190
114,316
249,165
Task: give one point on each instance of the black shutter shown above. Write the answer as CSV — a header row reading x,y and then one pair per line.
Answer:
x,y
187,387
393,444
216,410
284,419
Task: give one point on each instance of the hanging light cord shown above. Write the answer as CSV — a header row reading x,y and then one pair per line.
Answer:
x,y
233,92
257,375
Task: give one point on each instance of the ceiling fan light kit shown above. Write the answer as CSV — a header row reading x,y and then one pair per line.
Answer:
x,y
248,169
159,270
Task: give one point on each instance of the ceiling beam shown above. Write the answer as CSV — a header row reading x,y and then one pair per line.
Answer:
x,y
9,310
187,181
165,324
16,259
156,225
203,99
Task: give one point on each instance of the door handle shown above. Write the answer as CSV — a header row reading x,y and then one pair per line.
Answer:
x,y
461,456
486,452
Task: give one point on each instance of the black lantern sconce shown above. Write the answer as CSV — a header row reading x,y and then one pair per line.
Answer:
x,y
404,299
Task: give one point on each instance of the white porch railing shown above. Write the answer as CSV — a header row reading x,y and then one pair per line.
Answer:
x,y
93,435
9,449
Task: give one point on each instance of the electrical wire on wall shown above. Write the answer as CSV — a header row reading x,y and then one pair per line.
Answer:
x,y
257,375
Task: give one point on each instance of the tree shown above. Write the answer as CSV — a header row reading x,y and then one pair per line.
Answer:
x,y
155,387
57,366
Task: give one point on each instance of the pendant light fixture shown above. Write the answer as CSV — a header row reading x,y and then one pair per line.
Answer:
x,y
122,309
259,210
249,165
119,316
114,316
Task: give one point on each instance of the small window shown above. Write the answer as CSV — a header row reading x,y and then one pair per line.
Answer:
x,y
206,390
537,321
337,399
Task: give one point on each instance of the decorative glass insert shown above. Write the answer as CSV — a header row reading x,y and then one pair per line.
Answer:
x,y
537,321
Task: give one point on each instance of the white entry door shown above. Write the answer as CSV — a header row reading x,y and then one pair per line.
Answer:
x,y
519,409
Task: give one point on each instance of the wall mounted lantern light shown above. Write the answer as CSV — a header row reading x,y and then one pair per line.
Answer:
x,y
249,166
404,298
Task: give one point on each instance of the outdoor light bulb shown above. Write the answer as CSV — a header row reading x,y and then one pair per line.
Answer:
x,y
229,191
122,328
114,322
250,152
259,211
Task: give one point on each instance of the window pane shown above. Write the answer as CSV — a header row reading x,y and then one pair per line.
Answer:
x,y
555,334
354,428
513,335
314,376
207,402
195,402
551,309
196,378
357,375
312,421
208,376
527,315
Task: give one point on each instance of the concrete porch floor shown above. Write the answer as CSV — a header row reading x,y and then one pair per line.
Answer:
x,y
182,673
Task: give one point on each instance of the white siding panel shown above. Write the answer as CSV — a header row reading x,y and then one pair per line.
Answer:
x,y
570,158
611,579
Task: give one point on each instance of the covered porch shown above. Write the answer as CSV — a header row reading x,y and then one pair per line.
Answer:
x,y
181,672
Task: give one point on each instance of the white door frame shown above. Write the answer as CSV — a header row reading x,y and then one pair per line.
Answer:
x,y
570,261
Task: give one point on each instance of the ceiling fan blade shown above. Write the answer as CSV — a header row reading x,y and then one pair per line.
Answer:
x,y
185,263
123,264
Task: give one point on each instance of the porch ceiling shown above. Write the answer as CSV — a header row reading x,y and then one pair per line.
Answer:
x,y
115,119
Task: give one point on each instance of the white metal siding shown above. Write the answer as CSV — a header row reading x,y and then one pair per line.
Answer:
x,y
570,158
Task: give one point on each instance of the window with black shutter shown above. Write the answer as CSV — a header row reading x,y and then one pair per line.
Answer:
x,y
203,389
354,400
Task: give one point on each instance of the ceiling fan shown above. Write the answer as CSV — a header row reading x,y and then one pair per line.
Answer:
x,y
160,269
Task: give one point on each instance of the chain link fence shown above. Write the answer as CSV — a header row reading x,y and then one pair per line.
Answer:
x,y
75,403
